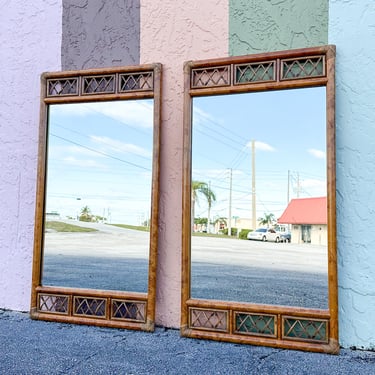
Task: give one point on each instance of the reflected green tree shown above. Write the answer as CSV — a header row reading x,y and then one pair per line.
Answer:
x,y
200,188
267,219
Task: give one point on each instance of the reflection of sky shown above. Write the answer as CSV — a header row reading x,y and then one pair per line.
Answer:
x,y
101,153
288,128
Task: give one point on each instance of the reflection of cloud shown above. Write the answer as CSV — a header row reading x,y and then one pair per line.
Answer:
x,y
199,116
134,113
119,146
313,183
215,174
261,146
82,163
317,153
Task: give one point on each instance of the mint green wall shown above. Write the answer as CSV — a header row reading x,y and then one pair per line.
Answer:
x,y
272,25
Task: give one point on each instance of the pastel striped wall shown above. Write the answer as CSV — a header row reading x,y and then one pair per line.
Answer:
x,y
74,34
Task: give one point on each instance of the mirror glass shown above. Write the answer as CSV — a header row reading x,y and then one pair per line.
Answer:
x,y
262,156
98,195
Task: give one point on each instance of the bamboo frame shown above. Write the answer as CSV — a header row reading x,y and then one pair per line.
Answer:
x,y
213,309
68,295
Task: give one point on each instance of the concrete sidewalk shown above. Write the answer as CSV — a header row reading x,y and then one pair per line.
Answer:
x,y
37,347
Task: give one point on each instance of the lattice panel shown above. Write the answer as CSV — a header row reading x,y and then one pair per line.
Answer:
x,y
303,68
62,87
210,77
256,324
53,303
129,310
93,307
99,84
136,82
255,72
216,320
305,329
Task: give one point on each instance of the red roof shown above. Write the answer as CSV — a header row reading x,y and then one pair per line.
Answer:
x,y
305,211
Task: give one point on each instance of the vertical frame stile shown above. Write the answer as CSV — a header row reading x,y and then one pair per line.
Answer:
x,y
331,201
40,191
186,194
306,74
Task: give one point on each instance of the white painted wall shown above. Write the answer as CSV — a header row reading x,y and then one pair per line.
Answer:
x,y
30,40
352,29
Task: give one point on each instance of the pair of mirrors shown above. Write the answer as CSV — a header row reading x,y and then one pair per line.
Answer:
x,y
259,146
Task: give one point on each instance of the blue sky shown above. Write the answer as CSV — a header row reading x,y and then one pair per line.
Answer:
x,y
101,153
288,128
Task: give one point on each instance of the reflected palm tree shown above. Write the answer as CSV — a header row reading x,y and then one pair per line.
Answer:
x,y
267,219
201,188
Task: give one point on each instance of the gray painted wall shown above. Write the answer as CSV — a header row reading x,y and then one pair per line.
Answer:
x,y
99,33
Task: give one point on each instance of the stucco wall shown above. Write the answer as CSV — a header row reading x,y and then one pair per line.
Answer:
x,y
352,29
42,35
172,34
30,44
100,33
262,26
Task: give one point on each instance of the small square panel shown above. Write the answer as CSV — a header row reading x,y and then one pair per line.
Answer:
x,y
212,320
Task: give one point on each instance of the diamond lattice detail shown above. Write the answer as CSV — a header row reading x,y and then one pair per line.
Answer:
x,y
255,324
209,77
89,306
303,68
53,303
255,72
209,319
136,81
305,329
99,84
61,87
128,310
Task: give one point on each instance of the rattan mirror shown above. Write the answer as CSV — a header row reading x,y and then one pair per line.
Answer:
x,y
259,164
97,197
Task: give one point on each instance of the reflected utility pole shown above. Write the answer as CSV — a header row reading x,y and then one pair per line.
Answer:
x,y
230,204
253,191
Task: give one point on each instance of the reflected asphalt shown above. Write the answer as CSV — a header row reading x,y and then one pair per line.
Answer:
x,y
222,268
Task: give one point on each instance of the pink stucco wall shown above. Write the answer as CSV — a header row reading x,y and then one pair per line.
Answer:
x,y
174,33
30,26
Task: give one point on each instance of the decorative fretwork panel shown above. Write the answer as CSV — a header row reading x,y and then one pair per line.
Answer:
x,y
256,324
255,72
98,84
62,87
93,307
51,303
305,329
303,68
136,82
210,77
216,320
129,310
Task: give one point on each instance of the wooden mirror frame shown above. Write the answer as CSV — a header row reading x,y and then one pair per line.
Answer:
x,y
121,309
280,326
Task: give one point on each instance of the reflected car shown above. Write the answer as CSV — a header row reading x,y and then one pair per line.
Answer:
x,y
285,237
264,234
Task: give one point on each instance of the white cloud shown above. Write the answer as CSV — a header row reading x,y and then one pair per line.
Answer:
x,y
88,163
200,116
114,145
317,153
136,113
261,146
